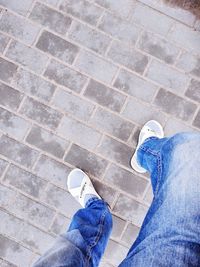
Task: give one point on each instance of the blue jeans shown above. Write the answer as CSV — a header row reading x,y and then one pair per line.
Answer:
x,y
170,234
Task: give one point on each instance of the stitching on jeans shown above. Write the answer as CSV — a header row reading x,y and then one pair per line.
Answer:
x,y
93,244
159,163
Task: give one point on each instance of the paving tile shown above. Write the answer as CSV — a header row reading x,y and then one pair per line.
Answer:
x,y
61,200
130,234
52,171
175,105
12,124
197,120
65,76
57,47
19,28
130,209
135,86
112,124
107,193
89,37
13,252
118,227
50,18
133,112
17,151
32,84
6,195
121,7
17,6
96,67
73,104
189,63
81,9
60,224
9,97
148,18
115,151
27,56
7,70
32,211
193,90
79,133
24,181
115,252
128,57
41,113
174,126
3,165
47,141
149,195
119,28
104,96
126,181
158,47
3,42
86,160
7,264
167,77
51,2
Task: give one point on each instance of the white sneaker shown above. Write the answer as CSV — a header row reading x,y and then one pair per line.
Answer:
x,y
150,129
80,185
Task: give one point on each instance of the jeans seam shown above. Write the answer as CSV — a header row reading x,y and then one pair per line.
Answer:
x,y
93,244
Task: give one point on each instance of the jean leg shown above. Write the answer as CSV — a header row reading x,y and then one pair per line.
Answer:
x,y
170,234
85,241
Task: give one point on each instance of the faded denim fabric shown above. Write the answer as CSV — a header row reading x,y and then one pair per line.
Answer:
x,y
170,234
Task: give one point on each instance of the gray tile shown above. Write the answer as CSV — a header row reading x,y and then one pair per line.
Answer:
x,y
189,63
86,160
149,196
196,122
174,126
60,224
3,165
17,6
3,42
6,195
7,70
115,252
193,91
130,234
118,227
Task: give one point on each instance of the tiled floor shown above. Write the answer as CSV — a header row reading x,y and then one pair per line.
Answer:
x,y
78,79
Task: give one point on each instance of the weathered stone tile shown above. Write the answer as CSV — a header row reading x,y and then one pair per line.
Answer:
x,y
50,18
186,37
96,67
174,126
19,28
9,97
12,124
14,252
104,96
81,9
158,47
130,234
24,181
17,152
3,165
118,227
115,151
115,252
112,124
57,47
6,195
122,8
168,77
197,120
51,2
61,200
128,56
65,76
133,112
73,104
149,196
189,63
175,105
7,70
130,209
79,133
32,211
87,161
27,56
52,171
17,6
41,113
47,141
89,37
3,42
60,224
7,264
149,18
135,86
119,28
193,91
32,84
126,181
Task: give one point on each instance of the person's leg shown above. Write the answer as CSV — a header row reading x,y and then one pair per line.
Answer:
x,y
84,243
170,234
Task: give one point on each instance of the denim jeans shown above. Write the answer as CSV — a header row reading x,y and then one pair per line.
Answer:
x,y
170,233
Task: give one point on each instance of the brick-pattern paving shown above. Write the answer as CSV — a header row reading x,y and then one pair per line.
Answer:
x,y
78,78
